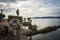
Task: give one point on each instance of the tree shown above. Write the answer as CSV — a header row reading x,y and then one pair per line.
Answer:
x,y
17,12
1,17
28,18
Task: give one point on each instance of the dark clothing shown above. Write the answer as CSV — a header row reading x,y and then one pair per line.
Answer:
x,y
6,28
5,31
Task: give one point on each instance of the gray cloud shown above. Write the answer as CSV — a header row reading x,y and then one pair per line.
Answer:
x,y
36,7
11,1
22,0
1,5
8,10
7,0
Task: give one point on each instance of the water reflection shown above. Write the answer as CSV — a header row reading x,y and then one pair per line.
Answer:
x,y
54,35
42,23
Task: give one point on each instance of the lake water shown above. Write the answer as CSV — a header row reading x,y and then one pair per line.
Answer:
x,y
42,23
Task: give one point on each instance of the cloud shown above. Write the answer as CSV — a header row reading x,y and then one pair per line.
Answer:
x,y
11,1
35,7
8,1
21,0
54,2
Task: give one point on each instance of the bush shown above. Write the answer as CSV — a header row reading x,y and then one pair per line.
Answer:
x,y
28,18
34,27
25,23
12,17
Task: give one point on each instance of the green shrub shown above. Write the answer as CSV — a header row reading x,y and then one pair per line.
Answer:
x,y
25,23
10,17
28,18
34,27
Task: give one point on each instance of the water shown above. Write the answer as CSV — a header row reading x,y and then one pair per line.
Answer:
x,y
46,22
42,23
55,35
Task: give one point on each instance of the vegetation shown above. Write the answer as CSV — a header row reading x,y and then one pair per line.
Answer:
x,y
43,31
26,23
2,17
16,17
31,27
28,18
34,27
48,29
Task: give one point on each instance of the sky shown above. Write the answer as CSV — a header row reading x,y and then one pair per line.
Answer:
x,y
31,8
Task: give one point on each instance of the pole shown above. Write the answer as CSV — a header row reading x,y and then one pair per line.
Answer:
x,y
1,14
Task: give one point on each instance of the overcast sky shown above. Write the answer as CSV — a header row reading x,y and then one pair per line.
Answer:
x,y
31,8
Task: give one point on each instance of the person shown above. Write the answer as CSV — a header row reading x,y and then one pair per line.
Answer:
x,y
30,21
5,32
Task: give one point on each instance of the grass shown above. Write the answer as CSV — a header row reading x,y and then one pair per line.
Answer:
x,y
48,29
43,31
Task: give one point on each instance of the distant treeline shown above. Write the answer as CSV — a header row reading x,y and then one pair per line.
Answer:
x,y
45,17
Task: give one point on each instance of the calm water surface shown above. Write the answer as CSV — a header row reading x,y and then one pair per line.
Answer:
x,y
46,22
42,23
